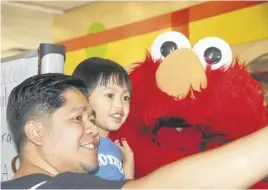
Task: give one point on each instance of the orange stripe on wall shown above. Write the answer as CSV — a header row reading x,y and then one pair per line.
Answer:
x,y
114,34
210,9
178,20
182,29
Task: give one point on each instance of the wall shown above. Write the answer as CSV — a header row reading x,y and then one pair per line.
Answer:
x,y
22,29
107,17
111,15
122,31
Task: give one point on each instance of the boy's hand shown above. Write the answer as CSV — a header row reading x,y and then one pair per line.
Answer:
x,y
125,149
128,158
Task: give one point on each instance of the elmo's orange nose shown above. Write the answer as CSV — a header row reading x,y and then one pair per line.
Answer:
x,y
180,71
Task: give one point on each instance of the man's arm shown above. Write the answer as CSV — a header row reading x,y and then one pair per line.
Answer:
x,y
239,164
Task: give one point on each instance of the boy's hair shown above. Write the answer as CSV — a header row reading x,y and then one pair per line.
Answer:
x,y
98,71
37,97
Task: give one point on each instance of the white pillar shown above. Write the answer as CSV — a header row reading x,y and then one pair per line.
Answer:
x,y
52,58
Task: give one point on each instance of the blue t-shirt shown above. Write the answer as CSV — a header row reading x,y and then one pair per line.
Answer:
x,y
110,161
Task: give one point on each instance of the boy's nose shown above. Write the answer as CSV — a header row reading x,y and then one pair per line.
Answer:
x,y
119,104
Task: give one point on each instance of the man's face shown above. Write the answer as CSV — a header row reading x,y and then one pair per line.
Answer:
x,y
71,141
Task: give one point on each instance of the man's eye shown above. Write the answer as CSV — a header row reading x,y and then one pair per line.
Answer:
x,y
78,118
109,95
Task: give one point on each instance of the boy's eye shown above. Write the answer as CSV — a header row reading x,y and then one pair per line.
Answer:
x,y
109,95
126,98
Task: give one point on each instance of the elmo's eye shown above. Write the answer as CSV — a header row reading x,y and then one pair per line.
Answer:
x,y
214,51
167,42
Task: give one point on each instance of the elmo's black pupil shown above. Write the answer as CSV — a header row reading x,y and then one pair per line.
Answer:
x,y
167,47
212,55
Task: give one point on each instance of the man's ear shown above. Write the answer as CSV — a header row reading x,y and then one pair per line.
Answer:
x,y
35,132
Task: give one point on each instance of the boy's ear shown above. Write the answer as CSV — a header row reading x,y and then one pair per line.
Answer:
x,y
35,132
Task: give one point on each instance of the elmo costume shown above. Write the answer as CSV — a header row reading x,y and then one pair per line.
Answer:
x,y
189,99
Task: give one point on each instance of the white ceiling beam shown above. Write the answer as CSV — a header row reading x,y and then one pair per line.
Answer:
x,y
89,2
33,7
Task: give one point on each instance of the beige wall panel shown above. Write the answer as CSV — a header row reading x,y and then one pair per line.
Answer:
x,y
111,14
250,51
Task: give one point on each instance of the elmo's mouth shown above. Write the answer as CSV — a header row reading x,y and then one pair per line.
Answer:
x,y
171,122
208,136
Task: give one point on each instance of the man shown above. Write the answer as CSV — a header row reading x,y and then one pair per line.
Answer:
x,y
53,127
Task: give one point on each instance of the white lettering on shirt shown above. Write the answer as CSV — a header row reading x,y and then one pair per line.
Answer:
x,y
109,159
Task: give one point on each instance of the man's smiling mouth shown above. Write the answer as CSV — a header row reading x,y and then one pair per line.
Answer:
x,y
92,146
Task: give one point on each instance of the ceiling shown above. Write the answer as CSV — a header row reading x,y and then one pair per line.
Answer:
x,y
51,6
26,24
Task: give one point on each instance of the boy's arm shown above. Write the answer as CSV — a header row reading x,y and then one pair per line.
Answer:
x,y
239,164
129,169
127,157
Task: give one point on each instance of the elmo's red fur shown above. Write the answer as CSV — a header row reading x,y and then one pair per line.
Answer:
x,y
232,105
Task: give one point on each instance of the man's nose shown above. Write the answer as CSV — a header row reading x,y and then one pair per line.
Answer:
x,y
91,129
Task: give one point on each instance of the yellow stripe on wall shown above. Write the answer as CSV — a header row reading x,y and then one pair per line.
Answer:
x,y
238,27
124,52
130,50
73,59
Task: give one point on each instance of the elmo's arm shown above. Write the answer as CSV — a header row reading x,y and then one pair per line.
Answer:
x,y
241,163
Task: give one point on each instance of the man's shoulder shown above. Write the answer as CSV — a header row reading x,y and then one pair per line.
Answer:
x,y
25,182
82,181
63,181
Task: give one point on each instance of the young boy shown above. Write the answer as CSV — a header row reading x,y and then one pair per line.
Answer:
x,y
109,90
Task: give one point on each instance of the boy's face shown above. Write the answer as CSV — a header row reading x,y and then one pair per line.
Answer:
x,y
111,104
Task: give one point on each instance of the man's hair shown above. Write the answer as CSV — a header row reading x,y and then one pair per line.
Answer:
x,y
98,71
36,97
